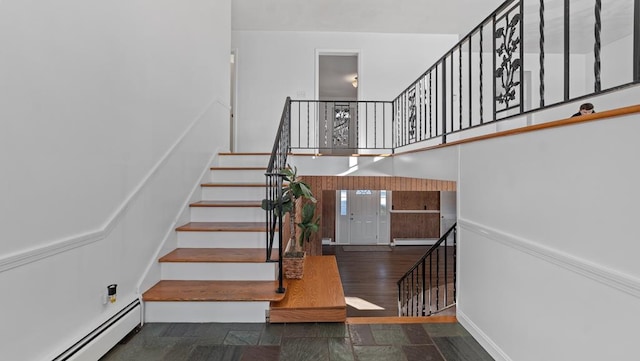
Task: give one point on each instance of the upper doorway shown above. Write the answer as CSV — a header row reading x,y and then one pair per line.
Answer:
x,y
337,88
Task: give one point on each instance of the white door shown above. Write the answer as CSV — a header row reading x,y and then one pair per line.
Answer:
x,y
363,207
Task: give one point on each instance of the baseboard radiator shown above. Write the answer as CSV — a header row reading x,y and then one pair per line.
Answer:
x,y
99,341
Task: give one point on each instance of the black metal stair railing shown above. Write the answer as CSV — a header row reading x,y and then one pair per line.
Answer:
x,y
274,180
429,286
493,72
487,77
526,56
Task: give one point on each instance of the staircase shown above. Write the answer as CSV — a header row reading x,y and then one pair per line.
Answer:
x,y
218,272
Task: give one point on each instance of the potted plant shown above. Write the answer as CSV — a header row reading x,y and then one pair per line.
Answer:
x,y
294,191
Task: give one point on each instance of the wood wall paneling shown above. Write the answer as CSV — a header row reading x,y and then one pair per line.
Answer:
x,y
324,188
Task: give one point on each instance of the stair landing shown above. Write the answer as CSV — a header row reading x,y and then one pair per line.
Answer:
x,y
317,297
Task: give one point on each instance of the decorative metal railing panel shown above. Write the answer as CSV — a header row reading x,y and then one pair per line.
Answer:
x,y
508,56
430,285
347,126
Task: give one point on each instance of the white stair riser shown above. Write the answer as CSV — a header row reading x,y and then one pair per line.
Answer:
x,y
227,214
205,311
239,176
233,193
222,239
240,160
225,271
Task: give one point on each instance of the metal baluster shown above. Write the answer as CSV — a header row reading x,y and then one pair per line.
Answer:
x,y
636,41
437,101
400,298
567,55
437,278
521,70
470,82
446,275
366,123
444,101
493,79
421,97
430,278
459,87
300,123
455,264
430,106
541,28
375,124
423,288
596,47
451,96
410,297
481,75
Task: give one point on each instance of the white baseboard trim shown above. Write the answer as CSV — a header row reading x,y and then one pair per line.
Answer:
x,y
612,278
99,341
414,241
487,343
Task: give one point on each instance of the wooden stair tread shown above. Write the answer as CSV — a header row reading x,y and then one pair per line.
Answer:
x,y
253,185
203,291
223,227
226,204
240,255
317,297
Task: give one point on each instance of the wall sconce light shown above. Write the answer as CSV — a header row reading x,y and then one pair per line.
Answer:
x,y
355,82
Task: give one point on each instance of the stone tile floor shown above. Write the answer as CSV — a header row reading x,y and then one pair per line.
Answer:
x,y
299,342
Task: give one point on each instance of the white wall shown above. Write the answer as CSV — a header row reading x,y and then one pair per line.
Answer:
x,y
616,64
548,242
274,65
110,112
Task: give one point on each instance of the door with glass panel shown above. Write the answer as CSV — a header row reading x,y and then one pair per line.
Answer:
x,y
362,217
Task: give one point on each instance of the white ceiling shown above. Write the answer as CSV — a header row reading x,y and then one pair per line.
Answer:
x,y
381,16
432,17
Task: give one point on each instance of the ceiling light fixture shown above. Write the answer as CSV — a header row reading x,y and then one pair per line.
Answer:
x,y
355,82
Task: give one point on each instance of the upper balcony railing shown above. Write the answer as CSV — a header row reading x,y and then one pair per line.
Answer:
x,y
528,55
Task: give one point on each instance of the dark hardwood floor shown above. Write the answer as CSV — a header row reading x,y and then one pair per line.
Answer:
x,y
373,275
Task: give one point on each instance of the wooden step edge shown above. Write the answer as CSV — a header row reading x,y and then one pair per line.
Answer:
x,y
246,185
217,255
275,306
305,316
213,291
222,227
400,320
226,204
